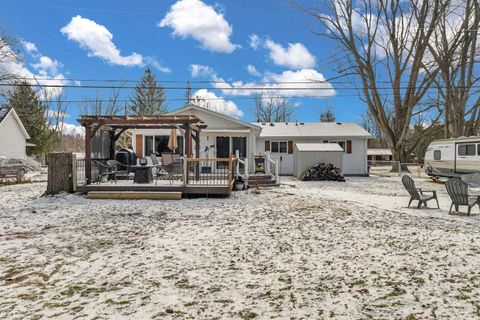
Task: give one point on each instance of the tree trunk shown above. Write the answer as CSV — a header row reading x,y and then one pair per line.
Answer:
x,y
60,173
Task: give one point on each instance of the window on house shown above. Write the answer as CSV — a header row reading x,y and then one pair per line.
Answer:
x,y
437,155
278,147
159,144
466,149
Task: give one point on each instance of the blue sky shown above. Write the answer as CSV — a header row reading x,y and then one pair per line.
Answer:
x,y
78,40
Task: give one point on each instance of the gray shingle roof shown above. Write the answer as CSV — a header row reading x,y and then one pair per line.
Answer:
x,y
312,129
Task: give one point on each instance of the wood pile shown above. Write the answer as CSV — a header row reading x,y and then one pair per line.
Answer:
x,y
322,172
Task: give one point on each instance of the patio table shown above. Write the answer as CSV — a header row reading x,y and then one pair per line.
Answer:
x,y
143,174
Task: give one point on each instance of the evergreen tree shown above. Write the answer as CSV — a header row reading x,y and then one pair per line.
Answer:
x,y
188,94
34,114
148,98
327,115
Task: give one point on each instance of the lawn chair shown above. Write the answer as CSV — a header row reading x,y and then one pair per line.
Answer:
x,y
158,167
418,193
173,168
106,170
458,192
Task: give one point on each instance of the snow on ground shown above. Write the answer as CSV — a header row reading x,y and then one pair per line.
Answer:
x,y
304,250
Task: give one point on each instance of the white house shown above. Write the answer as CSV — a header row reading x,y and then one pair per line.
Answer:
x,y
224,135
280,140
13,136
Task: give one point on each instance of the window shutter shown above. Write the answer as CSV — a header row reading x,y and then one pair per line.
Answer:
x,y
267,145
139,145
349,146
325,141
290,147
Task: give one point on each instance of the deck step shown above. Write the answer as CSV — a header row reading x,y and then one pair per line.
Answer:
x,y
135,195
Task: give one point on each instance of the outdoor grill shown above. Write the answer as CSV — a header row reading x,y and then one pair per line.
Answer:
x,y
126,157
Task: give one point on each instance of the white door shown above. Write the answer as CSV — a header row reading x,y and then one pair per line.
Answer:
x,y
279,153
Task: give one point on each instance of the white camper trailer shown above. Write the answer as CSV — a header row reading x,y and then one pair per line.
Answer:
x,y
453,157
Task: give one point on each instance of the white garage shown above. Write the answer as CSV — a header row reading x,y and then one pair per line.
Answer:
x,y
306,155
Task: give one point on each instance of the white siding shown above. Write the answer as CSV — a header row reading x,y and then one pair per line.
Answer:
x,y
354,163
12,139
304,160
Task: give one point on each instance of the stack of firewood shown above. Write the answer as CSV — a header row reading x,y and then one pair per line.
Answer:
x,y
322,171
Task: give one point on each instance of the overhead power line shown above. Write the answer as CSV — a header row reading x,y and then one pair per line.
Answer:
x,y
230,88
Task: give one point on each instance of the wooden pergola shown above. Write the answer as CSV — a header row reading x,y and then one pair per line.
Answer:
x,y
116,125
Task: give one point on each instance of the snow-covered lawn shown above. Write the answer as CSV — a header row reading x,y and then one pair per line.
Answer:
x,y
304,250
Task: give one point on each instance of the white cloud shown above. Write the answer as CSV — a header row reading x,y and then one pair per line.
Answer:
x,y
46,65
213,102
98,40
254,41
253,71
45,70
193,18
30,47
72,130
198,70
298,83
296,55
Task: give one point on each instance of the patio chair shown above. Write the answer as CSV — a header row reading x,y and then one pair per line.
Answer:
x,y
122,170
418,193
106,170
172,168
458,192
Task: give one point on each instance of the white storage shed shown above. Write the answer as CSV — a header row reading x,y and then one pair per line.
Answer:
x,y
306,155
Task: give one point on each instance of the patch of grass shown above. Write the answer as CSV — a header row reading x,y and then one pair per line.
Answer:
x,y
183,284
225,301
56,305
191,303
359,282
418,280
120,302
247,314
71,290
395,293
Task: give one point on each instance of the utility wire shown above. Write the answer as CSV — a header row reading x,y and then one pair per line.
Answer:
x,y
216,88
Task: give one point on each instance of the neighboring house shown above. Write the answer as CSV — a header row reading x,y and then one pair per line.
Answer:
x,y
379,155
13,136
225,134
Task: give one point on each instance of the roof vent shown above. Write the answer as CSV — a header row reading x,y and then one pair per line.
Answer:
x,y
263,123
339,123
286,123
272,124
302,123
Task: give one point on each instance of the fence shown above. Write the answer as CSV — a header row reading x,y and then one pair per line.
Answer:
x,y
395,169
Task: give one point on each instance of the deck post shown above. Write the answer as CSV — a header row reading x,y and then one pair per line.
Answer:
x,y
188,140
88,154
112,145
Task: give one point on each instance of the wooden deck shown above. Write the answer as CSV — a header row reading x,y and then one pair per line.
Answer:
x,y
185,190
134,195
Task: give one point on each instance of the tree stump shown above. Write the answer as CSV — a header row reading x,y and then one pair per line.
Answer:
x,y
60,172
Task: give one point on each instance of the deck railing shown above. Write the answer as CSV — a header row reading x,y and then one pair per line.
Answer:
x,y
241,167
271,167
209,171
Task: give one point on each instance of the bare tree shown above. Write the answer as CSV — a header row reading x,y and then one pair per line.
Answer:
x,y
454,48
382,45
270,108
112,105
8,55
